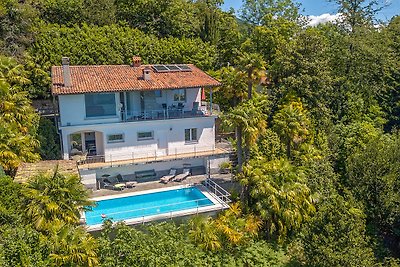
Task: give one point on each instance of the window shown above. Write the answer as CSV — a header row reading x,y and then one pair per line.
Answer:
x,y
100,105
179,95
191,135
115,138
158,93
145,136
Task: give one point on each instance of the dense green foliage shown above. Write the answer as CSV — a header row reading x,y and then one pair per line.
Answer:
x,y
315,113
49,140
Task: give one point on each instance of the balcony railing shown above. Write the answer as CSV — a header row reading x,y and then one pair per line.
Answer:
x,y
171,112
137,156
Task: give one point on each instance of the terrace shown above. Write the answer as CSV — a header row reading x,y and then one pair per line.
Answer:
x,y
103,161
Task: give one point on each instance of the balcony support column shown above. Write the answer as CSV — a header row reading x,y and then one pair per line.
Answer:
x,y
125,107
211,99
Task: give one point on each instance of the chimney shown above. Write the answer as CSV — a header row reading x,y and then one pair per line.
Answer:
x,y
66,72
136,61
146,74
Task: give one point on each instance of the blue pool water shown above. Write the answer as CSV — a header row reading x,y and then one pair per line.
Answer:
x,y
123,208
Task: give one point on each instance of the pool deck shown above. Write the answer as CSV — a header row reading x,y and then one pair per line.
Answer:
x,y
224,180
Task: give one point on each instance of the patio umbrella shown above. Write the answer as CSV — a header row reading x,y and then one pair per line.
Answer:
x,y
203,94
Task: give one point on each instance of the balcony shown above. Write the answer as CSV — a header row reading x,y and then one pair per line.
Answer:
x,y
164,112
159,155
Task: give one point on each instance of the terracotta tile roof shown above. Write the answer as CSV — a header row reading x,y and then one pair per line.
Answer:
x,y
115,78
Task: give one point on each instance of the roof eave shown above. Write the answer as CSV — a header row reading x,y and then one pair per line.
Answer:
x,y
54,89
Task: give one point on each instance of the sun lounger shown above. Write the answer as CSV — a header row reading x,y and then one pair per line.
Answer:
x,y
128,183
108,185
167,178
182,176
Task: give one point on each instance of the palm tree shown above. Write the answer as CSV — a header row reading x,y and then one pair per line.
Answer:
x,y
204,233
253,65
230,229
71,246
18,120
233,84
52,198
12,72
235,228
250,122
291,123
278,195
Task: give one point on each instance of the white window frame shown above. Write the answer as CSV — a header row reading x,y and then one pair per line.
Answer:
x,y
191,139
145,138
114,115
158,93
179,92
122,140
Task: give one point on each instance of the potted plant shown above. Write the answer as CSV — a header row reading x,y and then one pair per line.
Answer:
x,y
225,167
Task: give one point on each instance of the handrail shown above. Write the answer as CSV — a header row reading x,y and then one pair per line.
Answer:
x,y
170,113
149,155
217,189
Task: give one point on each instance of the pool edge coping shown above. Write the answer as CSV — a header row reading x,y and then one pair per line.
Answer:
x,y
217,205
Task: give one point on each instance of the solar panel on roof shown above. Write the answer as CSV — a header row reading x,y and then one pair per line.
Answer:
x,y
160,68
172,67
184,67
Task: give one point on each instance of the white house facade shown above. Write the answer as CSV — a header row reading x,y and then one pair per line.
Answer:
x,y
120,113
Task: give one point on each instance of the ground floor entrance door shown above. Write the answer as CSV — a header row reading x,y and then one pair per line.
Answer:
x,y
90,143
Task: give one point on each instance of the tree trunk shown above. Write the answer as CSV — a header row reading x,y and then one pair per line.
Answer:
x,y
239,147
249,85
288,149
246,153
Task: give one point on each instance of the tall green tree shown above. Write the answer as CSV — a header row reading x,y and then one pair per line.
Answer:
x,y
279,195
373,176
249,121
254,11
231,229
292,125
17,19
18,120
254,66
55,198
359,12
49,140
233,89
336,235
163,18
302,67
71,246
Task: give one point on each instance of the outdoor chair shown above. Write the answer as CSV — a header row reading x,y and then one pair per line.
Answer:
x,y
195,109
167,178
182,176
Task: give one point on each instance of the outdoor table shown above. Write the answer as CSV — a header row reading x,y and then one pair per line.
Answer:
x,y
120,186
131,184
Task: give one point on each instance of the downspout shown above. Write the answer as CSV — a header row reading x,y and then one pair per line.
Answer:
x,y
56,124
211,99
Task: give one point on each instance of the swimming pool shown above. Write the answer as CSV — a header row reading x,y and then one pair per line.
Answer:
x,y
139,206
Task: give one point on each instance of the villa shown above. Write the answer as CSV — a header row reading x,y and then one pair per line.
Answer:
x,y
138,121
